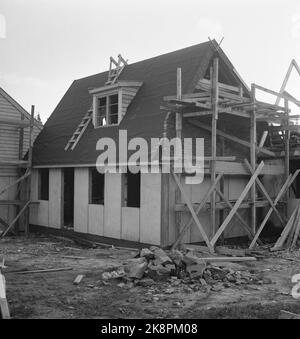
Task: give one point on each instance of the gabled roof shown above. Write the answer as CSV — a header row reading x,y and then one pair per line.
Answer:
x,y
19,108
143,118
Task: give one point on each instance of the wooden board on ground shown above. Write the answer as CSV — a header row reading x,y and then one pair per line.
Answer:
x,y
3,302
288,315
78,279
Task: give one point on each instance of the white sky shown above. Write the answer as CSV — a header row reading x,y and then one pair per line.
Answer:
x,y
46,44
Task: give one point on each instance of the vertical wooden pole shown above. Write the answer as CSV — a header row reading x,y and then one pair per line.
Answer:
x,y
178,135
287,134
20,171
215,102
253,142
28,181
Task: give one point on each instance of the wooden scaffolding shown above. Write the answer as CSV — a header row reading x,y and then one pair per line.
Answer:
x,y
21,202
213,98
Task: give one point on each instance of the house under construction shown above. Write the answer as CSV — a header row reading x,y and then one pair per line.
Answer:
x,y
252,157
18,130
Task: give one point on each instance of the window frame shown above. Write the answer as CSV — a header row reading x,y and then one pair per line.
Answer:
x,y
41,184
99,96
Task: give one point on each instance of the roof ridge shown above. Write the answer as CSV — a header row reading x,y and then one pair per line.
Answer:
x,y
151,58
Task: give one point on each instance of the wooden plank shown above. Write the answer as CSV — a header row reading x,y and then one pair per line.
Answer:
x,y
297,229
15,220
237,204
286,185
214,102
194,215
278,95
7,162
3,301
50,270
232,138
14,122
265,193
198,209
78,279
224,259
288,315
238,216
285,233
15,182
253,149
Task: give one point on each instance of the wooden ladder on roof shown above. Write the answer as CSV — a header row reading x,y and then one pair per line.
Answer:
x,y
80,130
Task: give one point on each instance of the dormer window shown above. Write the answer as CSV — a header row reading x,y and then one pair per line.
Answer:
x,y
106,110
110,102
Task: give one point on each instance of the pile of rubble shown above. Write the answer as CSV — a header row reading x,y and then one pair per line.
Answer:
x,y
154,264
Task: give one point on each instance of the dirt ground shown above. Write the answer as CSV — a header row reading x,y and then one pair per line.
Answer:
x,y
53,294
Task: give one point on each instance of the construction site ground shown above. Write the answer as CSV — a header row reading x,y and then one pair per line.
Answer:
x,y
54,295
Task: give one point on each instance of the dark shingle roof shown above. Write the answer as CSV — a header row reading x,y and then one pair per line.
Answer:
x,y
143,118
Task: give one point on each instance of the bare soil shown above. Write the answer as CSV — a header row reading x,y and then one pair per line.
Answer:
x,y
53,294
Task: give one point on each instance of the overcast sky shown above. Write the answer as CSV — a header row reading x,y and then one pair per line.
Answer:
x,y
46,44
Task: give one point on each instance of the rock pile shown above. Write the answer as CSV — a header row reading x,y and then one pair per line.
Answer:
x,y
155,265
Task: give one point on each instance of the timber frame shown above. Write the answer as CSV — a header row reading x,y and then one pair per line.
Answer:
x,y
213,99
23,182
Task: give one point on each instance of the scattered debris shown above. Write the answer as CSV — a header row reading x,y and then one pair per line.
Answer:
x,y
114,274
78,279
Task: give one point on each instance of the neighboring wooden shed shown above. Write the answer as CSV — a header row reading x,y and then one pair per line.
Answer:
x,y
14,144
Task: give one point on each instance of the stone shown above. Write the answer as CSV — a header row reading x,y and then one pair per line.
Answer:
x,y
145,252
217,273
136,268
114,274
158,272
195,271
177,258
217,287
160,255
190,259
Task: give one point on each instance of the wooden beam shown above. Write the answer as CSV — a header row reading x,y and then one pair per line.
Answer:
x,y
194,215
7,162
15,183
286,231
178,136
12,224
265,193
198,209
14,122
237,204
214,104
231,138
3,301
6,225
237,215
278,95
286,185
253,149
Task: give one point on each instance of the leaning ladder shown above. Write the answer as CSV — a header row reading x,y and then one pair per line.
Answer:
x,y
80,130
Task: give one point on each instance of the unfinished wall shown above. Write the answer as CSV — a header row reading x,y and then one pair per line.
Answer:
x,y
150,219
233,186
111,220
